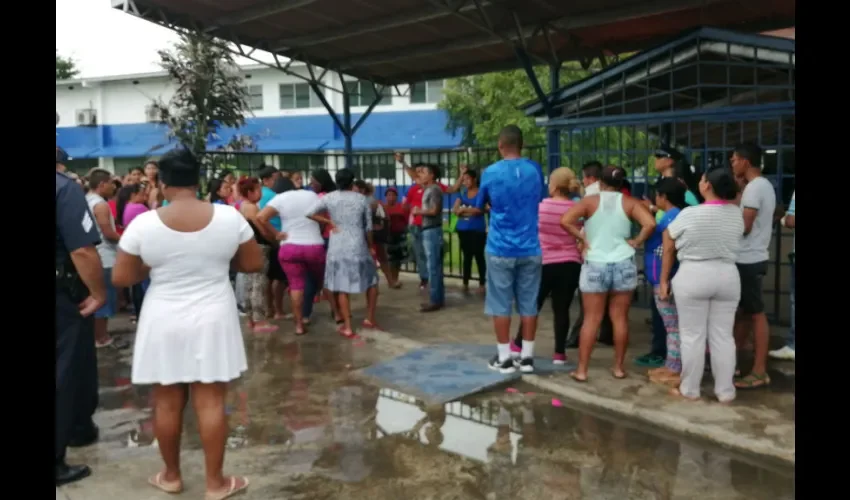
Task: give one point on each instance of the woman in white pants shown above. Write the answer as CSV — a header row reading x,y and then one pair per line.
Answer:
x,y
705,238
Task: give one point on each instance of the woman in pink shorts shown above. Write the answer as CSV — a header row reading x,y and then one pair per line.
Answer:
x,y
302,248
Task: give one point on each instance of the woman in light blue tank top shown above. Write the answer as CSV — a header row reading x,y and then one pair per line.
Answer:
x,y
609,273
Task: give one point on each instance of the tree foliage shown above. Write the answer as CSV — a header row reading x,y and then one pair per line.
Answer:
x,y
209,94
480,105
66,68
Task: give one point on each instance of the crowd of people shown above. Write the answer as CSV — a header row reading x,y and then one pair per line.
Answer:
x,y
705,240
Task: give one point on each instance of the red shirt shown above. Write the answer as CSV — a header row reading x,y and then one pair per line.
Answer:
x,y
398,215
113,207
414,199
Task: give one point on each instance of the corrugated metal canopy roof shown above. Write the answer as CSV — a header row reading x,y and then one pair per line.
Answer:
x,y
403,41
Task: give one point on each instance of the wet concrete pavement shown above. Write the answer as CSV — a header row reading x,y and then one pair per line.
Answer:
x,y
759,422
304,427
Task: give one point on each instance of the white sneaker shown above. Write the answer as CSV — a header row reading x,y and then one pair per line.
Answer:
x,y
785,354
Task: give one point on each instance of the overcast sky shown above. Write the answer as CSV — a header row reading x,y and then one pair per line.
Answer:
x,y
105,41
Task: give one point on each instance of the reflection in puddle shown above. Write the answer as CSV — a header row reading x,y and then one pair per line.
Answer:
x,y
342,439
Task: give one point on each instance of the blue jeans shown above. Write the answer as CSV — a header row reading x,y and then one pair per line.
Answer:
x,y
512,279
419,252
432,245
110,307
792,332
608,277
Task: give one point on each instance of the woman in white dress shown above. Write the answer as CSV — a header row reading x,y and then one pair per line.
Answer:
x,y
189,338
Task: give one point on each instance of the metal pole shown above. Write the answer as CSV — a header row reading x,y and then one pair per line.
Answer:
x,y
346,125
553,135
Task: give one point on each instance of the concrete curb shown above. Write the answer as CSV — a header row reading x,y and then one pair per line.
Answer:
x,y
655,418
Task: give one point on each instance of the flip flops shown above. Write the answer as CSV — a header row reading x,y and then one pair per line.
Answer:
x,y
231,491
172,487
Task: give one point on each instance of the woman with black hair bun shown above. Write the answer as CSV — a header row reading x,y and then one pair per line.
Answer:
x,y
350,266
189,338
705,239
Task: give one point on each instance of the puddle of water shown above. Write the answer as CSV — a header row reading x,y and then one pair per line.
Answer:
x,y
343,439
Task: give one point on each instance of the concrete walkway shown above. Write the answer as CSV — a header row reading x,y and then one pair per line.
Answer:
x,y
759,423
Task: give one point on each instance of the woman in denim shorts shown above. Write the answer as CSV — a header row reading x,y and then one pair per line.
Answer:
x,y
609,272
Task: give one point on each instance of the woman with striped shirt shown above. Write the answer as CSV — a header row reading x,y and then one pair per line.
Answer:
x,y
705,239
561,258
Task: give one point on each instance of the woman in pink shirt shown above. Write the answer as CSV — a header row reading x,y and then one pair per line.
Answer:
x,y
561,258
129,204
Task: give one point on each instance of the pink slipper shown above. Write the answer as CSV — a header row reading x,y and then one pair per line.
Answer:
x,y
172,487
231,491
372,326
347,333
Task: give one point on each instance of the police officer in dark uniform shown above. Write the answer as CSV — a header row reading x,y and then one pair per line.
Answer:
x,y
80,291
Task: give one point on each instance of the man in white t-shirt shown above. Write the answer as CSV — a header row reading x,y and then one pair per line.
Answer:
x,y
101,188
758,204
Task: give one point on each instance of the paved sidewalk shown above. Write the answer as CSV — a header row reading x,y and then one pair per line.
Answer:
x,y
759,422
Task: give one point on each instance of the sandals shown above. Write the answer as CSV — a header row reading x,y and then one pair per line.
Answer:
x,y
347,333
172,487
231,491
753,381
371,326
101,345
267,328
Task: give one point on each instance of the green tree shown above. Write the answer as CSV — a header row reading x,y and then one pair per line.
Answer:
x,y
66,68
480,105
209,95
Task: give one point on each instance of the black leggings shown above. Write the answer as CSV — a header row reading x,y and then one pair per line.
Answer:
x,y
472,245
560,280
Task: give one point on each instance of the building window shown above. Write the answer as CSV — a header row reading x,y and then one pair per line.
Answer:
x,y
427,92
362,93
298,96
255,96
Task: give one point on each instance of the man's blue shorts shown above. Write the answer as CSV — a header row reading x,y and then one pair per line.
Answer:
x,y
509,280
110,308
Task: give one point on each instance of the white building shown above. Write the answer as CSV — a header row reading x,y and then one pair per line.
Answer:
x,y
107,122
